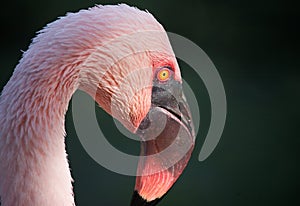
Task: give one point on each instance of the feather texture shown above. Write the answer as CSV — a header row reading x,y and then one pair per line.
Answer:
x,y
107,51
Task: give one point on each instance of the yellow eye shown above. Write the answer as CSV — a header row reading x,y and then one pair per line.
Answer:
x,y
163,74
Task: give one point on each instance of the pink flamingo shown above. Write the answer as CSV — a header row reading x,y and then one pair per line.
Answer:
x,y
93,50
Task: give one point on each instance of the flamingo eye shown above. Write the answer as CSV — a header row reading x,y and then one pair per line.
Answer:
x,y
163,74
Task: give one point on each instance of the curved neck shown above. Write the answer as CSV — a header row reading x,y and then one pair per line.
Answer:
x,y
73,52
33,165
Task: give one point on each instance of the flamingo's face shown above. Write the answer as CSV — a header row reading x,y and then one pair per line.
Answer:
x,y
143,91
167,139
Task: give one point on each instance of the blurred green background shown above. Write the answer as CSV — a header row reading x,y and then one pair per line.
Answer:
x,y
253,45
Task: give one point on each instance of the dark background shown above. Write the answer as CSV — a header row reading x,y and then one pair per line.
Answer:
x,y
253,45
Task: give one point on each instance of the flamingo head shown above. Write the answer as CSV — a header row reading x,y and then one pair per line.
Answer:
x,y
150,102
138,82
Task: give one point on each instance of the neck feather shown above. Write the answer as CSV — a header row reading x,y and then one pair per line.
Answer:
x,y
33,165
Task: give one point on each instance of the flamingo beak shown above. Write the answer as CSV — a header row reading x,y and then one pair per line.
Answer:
x,y
167,140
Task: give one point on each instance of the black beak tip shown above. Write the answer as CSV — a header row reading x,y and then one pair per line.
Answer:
x,y
137,200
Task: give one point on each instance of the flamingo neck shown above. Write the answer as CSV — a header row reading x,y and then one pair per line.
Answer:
x,y
33,162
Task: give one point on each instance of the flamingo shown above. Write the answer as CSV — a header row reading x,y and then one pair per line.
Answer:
x,y
120,56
